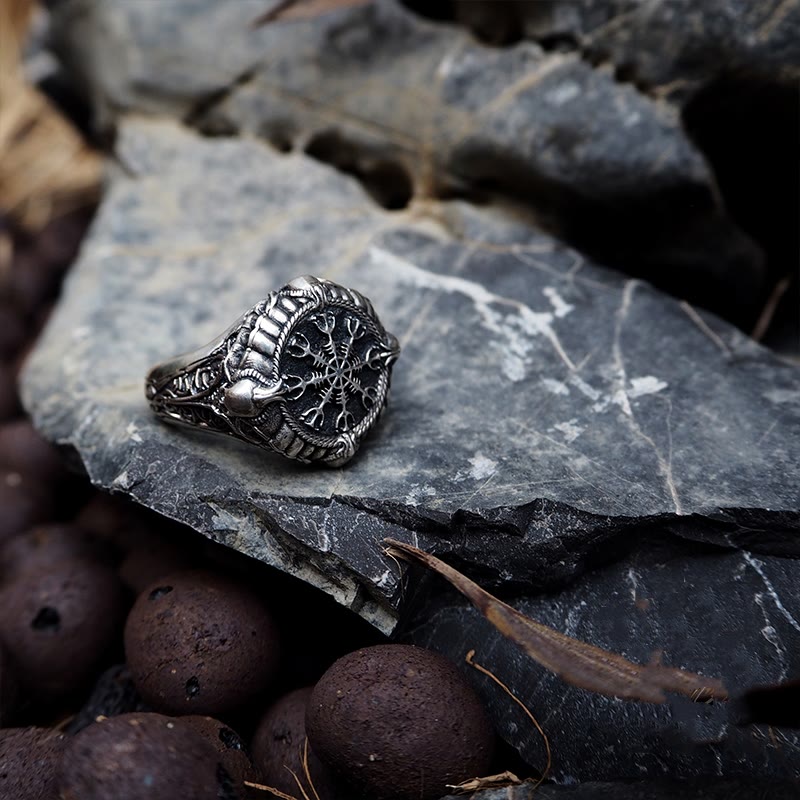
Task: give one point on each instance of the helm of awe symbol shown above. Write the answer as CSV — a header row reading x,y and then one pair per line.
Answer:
x,y
333,364
304,373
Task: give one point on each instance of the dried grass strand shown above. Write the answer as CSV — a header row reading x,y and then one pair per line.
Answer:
x,y
470,659
46,168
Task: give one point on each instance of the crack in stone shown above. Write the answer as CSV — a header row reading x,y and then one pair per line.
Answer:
x,y
758,566
531,323
771,635
664,464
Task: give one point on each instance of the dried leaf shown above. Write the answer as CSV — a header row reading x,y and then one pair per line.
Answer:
x,y
576,662
46,169
499,781
304,9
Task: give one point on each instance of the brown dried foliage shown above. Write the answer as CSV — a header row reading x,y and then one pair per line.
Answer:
x,y
578,663
46,168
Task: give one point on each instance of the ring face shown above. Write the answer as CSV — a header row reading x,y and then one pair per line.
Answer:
x,y
305,373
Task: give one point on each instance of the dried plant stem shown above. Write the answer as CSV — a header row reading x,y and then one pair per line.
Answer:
x,y
470,659
770,307
583,665
307,771
273,791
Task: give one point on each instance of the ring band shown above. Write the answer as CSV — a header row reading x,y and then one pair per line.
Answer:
x,y
304,373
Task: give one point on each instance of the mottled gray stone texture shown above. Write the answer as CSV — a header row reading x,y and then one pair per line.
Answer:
x,y
540,401
672,47
730,614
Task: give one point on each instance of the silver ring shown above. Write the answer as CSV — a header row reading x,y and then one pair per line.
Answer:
x,y
304,373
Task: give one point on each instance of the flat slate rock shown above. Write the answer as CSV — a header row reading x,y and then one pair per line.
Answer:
x,y
541,405
683,46
610,460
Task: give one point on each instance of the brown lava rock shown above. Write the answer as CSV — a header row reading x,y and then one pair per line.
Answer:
x,y
111,517
230,749
9,687
23,503
22,449
398,722
151,559
48,546
12,332
29,759
142,757
198,643
278,746
9,400
59,621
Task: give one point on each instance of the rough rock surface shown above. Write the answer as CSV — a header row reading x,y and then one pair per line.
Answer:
x,y
416,107
680,45
671,47
733,615
526,373
643,790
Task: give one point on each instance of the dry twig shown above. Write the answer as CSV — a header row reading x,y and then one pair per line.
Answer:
x,y
46,169
549,762
583,665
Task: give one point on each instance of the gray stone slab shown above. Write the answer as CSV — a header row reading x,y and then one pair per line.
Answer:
x,y
683,46
667,47
542,407
722,613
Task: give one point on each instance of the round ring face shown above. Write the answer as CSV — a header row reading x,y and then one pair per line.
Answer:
x,y
304,373
332,372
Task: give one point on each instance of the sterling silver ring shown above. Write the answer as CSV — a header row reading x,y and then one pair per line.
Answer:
x,y
304,373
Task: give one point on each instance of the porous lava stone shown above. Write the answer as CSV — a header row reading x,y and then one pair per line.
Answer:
x,y
278,746
29,759
142,757
58,622
198,643
22,449
9,687
114,518
398,722
231,750
23,503
47,546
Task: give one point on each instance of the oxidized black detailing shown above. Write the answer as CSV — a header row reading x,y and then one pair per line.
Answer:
x,y
305,373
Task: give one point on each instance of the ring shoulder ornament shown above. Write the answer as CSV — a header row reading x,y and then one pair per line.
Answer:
x,y
305,373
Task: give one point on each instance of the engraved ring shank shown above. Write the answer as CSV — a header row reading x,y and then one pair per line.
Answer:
x,y
304,373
